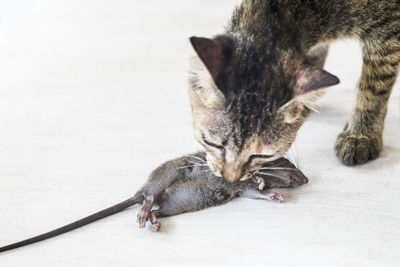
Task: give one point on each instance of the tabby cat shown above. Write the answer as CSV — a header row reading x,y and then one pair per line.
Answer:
x,y
252,86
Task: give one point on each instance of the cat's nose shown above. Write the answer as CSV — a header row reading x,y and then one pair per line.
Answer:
x,y
231,173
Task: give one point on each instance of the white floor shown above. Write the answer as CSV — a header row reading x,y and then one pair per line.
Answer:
x,y
93,97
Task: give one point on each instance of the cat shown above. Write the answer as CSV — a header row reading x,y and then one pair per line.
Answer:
x,y
252,87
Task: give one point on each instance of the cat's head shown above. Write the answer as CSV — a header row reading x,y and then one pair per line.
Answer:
x,y
249,101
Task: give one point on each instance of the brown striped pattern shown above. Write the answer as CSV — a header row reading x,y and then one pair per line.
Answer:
x,y
361,140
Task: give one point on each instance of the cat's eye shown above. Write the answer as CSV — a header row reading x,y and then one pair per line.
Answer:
x,y
255,162
258,156
220,147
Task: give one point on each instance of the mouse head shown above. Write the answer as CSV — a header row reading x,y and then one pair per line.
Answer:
x,y
248,101
281,173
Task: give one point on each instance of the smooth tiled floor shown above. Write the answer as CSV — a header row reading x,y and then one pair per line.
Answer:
x,y
93,96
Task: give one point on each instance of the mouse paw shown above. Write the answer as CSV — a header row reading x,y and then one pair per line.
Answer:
x,y
144,213
260,181
142,218
156,225
274,196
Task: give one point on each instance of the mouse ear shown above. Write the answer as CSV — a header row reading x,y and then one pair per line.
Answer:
x,y
210,53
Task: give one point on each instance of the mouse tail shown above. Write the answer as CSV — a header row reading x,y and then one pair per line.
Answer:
x,y
138,198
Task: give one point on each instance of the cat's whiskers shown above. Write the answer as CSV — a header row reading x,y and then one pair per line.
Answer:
x,y
199,159
197,163
271,175
276,168
191,166
294,156
297,157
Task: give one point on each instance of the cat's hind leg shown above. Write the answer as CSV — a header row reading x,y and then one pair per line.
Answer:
x,y
361,139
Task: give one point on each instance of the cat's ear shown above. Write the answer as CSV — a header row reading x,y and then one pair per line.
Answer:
x,y
210,52
309,87
310,78
310,84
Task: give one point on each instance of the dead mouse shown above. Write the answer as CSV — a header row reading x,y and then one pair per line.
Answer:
x,y
187,184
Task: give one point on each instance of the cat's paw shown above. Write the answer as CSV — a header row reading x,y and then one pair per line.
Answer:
x,y
353,149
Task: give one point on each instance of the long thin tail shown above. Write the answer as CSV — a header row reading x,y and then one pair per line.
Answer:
x,y
79,223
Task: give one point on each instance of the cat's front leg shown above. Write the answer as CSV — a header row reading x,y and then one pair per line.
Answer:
x,y
361,140
358,147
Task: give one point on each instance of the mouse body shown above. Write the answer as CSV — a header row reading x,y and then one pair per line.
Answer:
x,y
187,184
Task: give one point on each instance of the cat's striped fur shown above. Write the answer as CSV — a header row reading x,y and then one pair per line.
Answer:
x,y
252,86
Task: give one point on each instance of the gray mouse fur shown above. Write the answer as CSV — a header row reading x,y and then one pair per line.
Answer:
x,y
186,184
